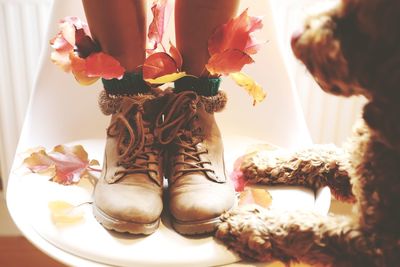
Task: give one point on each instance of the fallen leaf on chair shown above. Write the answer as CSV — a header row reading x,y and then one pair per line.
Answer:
x,y
65,165
64,212
253,88
257,196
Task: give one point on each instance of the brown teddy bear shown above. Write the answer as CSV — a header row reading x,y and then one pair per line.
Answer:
x,y
353,49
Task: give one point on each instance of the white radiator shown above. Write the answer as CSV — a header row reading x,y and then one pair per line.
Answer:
x,y
22,26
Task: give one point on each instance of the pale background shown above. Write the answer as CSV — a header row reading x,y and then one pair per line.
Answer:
x,y
22,29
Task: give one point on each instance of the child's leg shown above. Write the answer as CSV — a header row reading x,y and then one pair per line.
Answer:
x,y
195,21
128,196
120,28
199,191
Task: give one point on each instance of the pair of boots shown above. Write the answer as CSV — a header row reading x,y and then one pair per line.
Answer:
x,y
151,136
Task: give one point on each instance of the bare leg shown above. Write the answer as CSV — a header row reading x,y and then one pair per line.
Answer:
x,y
120,28
195,21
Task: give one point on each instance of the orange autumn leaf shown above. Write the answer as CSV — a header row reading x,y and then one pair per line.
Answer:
x,y
76,51
251,87
103,65
176,55
65,165
231,45
158,65
257,196
78,68
229,61
236,34
161,11
64,212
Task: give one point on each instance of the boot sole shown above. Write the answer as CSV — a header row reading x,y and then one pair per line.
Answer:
x,y
198,227
122,226
195,227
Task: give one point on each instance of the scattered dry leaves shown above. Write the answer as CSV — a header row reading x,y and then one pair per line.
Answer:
x,y
65,165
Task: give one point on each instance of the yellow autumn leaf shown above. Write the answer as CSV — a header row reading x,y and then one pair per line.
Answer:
x,y
253,88
257,196
64,212
167,78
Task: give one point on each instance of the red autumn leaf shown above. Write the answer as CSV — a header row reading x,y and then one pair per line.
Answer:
x,y
176,55
157,65
76,51
236,34
78,68
161,13
257,196
65,165
229,61
103,65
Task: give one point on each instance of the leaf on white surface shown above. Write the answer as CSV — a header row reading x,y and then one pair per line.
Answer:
x,y
64,212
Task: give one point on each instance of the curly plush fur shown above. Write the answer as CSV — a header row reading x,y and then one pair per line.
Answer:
x,y
353,49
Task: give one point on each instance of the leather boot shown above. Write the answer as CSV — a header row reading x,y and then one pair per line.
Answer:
x,y
199,191
128,196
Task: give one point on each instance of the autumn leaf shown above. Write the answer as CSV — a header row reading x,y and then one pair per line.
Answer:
x,y
104,66
78,68
237,34
231,45
176,55
76,51
168,78
227,62
253,88
161,11
158,65
257,196
64,212
65,165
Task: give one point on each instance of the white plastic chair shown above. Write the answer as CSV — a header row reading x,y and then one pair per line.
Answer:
x,y
61,112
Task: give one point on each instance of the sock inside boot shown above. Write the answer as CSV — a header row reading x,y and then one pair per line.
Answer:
x,y
203,86
131,83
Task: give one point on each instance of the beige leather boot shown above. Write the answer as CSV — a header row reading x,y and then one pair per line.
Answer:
x,y
128,196
199,191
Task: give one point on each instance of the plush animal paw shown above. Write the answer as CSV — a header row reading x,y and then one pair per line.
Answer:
x,y
245,230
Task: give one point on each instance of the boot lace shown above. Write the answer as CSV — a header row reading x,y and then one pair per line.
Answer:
x,y
175,125
134,140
